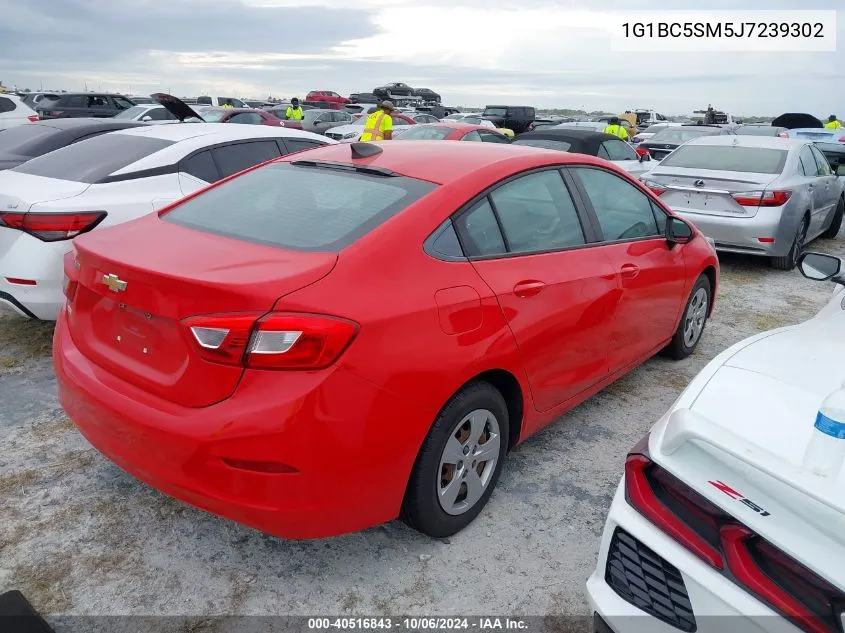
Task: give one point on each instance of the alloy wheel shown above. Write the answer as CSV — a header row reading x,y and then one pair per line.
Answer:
x,y
695,317
798,246
468,461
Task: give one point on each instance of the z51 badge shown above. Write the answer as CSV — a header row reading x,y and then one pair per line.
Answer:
x,y
738,496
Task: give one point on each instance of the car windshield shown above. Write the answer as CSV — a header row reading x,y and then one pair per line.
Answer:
x,y
544,143
131,113
20,138
299,207
676,136
654,129
311,115
93,159
757,130
212,116
424,133
495,112
758,160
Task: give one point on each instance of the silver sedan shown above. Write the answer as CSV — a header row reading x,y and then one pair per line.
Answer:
x,y
753,194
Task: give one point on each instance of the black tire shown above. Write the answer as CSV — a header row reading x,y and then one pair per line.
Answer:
x,y
680,347
421,508
790,260
833,230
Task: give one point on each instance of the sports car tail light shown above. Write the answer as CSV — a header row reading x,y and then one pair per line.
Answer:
x,y
52,227
717,538
276,340
762,198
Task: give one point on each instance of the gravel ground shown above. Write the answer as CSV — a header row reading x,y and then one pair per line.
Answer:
x,y
78,536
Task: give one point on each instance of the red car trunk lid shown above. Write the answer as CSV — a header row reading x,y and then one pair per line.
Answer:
x,y
137,282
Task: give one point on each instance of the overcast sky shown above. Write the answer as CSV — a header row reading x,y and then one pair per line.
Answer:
x,y
545,53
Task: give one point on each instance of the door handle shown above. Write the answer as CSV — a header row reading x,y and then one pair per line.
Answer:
x,y
630,271
528,288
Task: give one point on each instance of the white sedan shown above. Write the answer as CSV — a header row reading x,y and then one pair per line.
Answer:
x,y
109,179
722,521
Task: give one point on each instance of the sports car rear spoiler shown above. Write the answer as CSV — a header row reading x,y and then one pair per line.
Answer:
x,y
685,426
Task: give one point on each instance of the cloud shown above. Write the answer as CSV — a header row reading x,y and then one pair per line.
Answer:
x,y
539,52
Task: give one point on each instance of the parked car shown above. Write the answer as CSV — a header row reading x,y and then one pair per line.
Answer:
x,y
320,121
14,112
717,521
835,155
477,120
423,117
646,118
153,113
109,179
248,116
274,297
26,142
757,129
450,131
326,96
352,131
823,135
427,94
753,194
219,102
651,131
82,104
664,143
363,97
515,118
580,141
393,91
32,99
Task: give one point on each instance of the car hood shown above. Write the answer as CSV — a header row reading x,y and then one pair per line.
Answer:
x,y
792,120
346,129
176,106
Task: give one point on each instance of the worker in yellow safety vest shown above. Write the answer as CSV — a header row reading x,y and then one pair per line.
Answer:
x,y
294,111
379,125
616,129
832,123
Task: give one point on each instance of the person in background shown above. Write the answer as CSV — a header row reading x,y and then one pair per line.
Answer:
x,y
616,129
832,123
379,125
294,111
228,104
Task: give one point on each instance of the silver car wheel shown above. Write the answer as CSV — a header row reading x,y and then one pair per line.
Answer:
x,y
695,317
468,461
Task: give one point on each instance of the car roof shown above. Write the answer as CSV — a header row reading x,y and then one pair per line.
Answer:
x,y
768,142
442,163
90,123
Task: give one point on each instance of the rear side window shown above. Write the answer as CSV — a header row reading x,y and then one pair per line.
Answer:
x,y
619,150
480,230
757,160
6,105
234,158
201,166
299,207
77,101
544,143
298,144
93,159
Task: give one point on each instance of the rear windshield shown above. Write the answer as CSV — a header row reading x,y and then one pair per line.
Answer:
x,y
676,137
495,112
756,160
93,159
757,130
298,207
424,133
21,138
544,143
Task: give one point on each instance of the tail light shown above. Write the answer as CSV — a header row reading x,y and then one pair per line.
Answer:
x,y
33,118
842,139
278,340
762,198
783,135
656,188
52,227
740,554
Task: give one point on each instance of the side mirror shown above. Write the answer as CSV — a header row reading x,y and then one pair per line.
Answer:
x,y
840,170
678,231
819,266
146,118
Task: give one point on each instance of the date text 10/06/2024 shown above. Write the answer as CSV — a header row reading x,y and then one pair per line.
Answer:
x,y
418,623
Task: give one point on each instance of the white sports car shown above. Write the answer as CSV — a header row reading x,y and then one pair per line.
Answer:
x,y
109,179
717,525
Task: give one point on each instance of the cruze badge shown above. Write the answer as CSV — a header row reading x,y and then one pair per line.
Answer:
x,y
114,283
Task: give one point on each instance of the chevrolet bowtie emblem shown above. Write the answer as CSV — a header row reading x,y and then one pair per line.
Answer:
x,y
114,283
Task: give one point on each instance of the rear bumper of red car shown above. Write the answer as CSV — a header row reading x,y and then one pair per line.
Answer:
x,y
338,461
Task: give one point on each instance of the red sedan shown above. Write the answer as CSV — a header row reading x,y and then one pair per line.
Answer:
x,y
326,96
362,331
451,131
240,115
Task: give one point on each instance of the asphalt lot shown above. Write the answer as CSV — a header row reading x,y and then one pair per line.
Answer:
x,y
78,536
